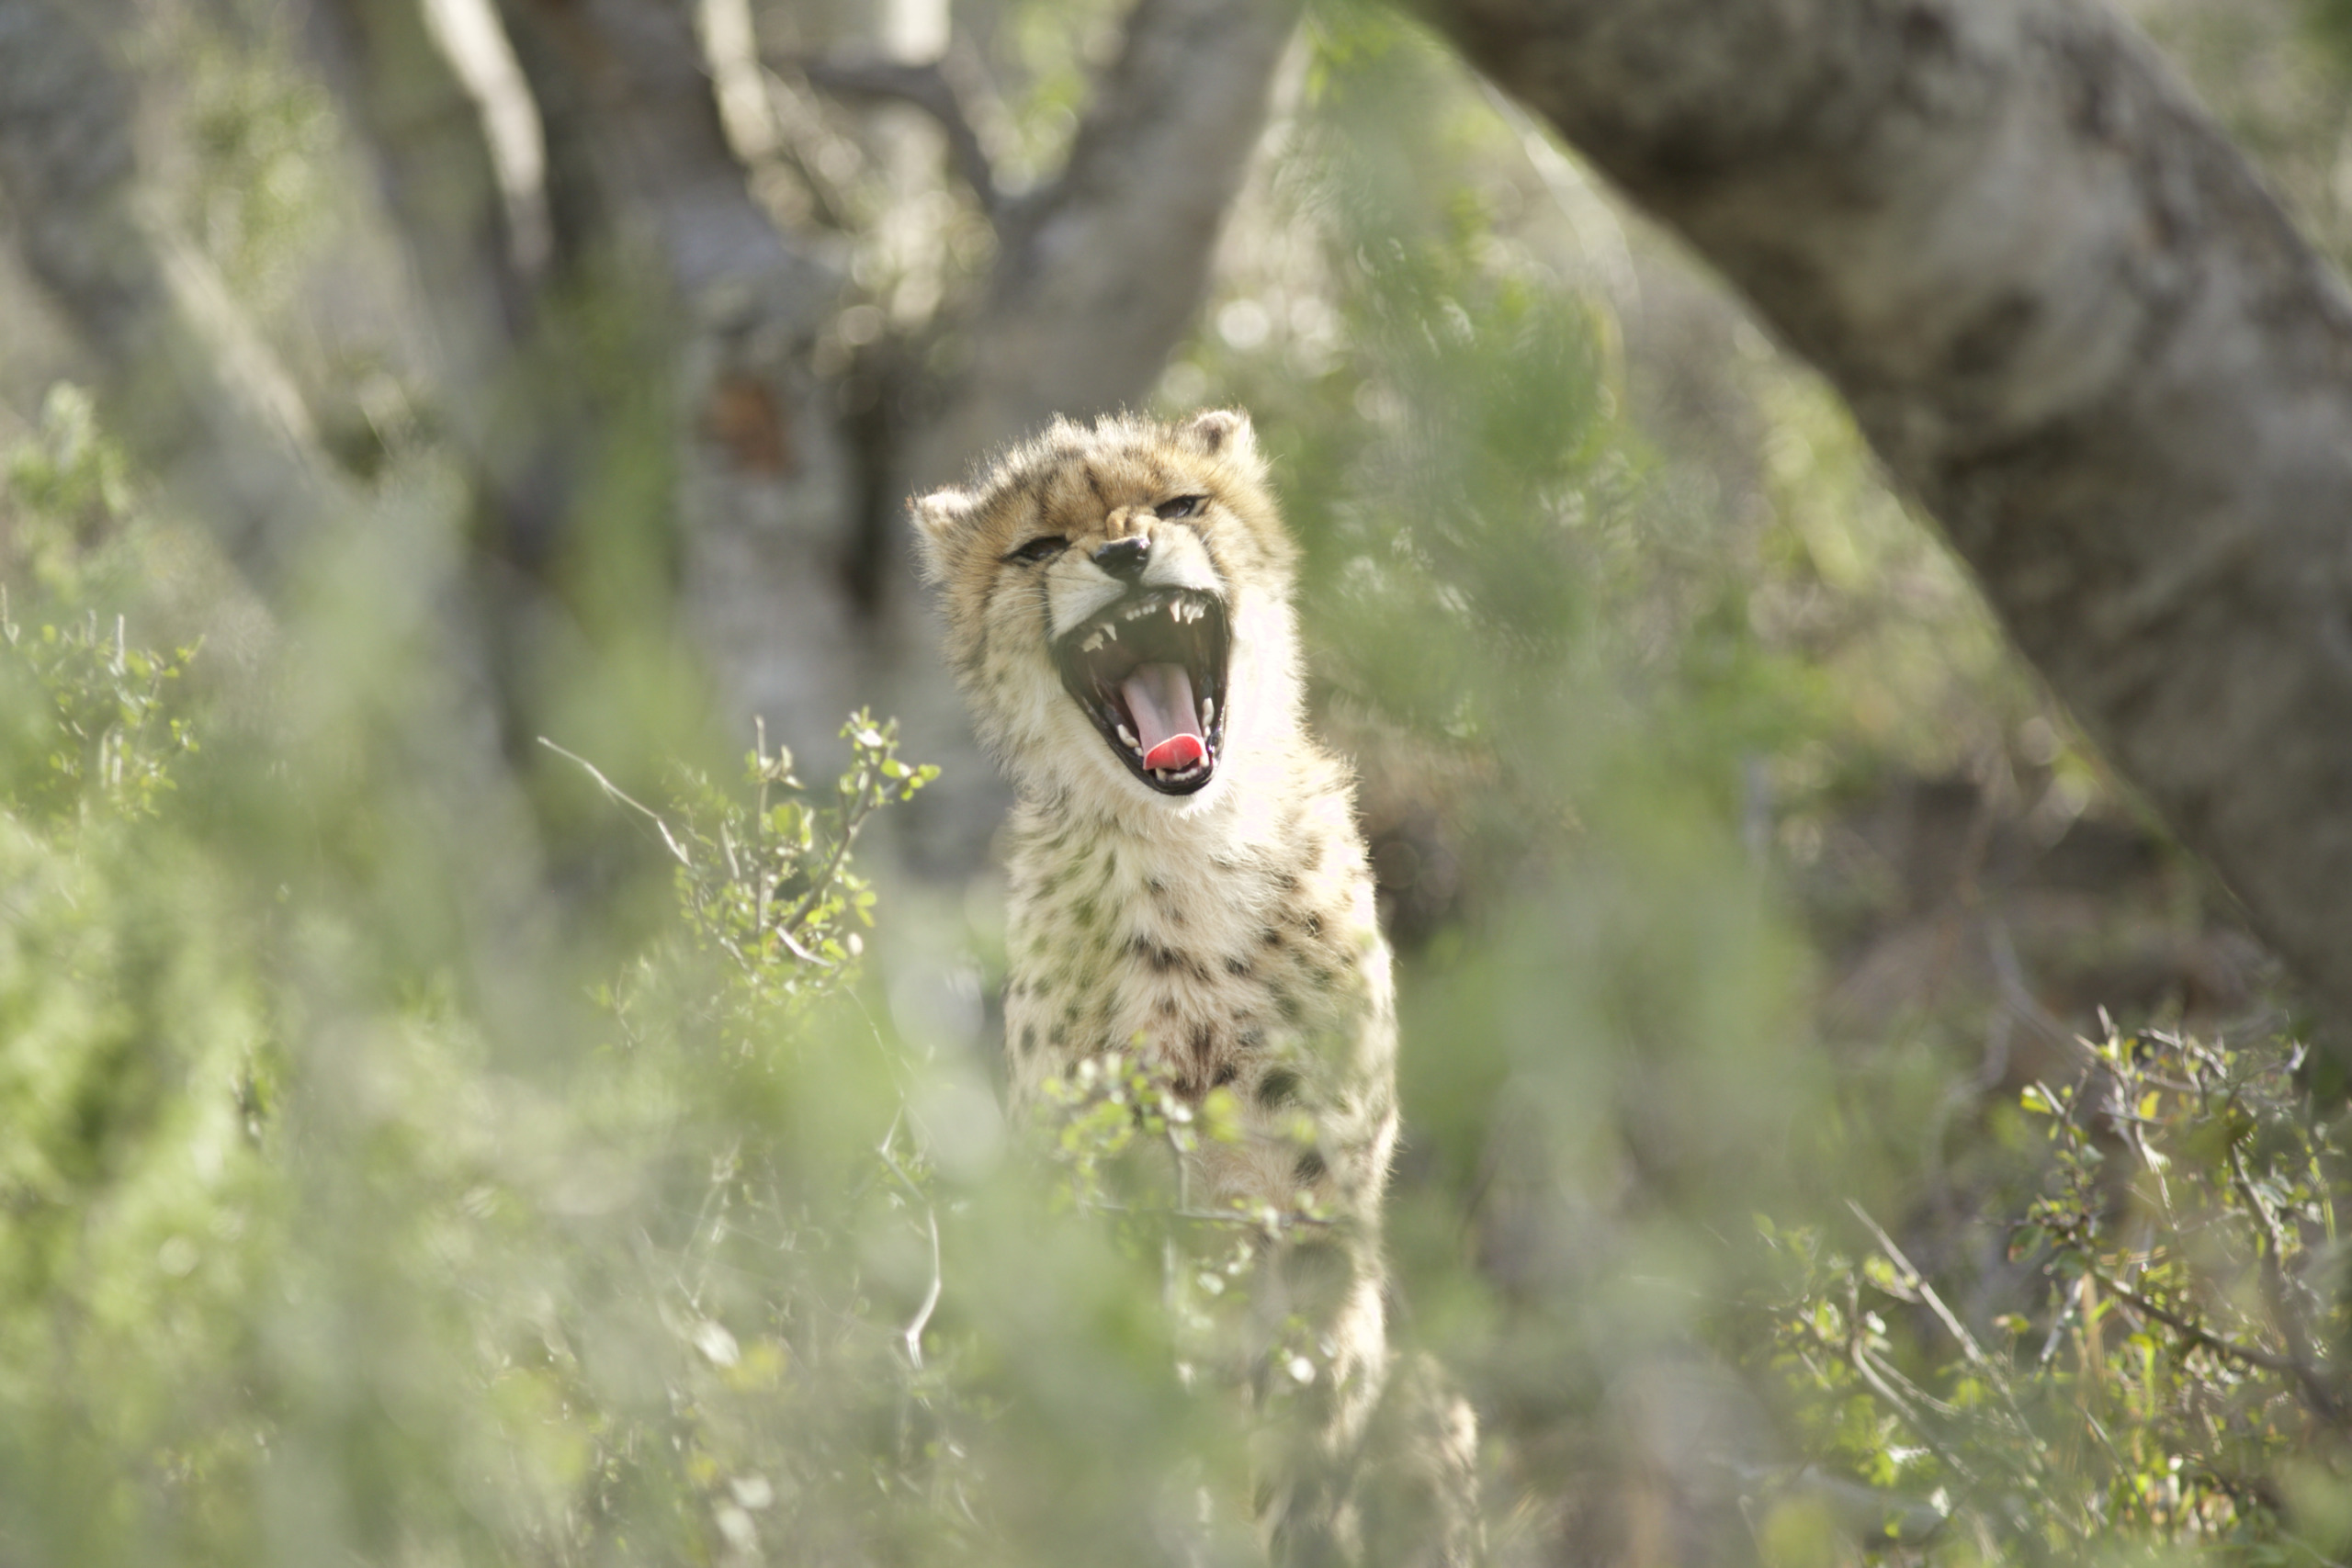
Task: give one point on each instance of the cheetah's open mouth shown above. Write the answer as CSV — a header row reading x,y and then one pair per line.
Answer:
x,y
1150,671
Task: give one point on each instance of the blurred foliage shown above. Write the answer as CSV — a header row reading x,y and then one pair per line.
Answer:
x,y
108,735
256,181
375,1192
1048,50
67,498
312,1252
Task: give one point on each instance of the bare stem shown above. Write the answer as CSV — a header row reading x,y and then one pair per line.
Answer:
x,y
616,792
2323,1397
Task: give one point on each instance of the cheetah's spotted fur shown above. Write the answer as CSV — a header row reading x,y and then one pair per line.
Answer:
x,y
1229,933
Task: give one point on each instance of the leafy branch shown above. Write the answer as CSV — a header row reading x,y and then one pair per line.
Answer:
x,y
2184,1223
772,878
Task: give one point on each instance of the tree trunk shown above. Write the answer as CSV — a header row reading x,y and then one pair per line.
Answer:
x,y
193,390
660,320
2073,323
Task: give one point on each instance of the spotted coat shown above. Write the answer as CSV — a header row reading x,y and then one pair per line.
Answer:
x,y
1228,934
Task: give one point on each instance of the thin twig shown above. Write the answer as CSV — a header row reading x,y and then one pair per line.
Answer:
x,y
2018,998
622,795
912,1335
1917,1283
722,1172
801,952
1882,1382
2284,1366
1995,1373
1910,1404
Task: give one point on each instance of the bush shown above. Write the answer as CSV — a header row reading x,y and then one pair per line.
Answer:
x,y
2179,1381
305,1257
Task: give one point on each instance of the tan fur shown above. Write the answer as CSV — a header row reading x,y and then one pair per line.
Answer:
x,y
1229,935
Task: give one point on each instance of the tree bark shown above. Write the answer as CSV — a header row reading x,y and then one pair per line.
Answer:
x,y
1100,274
2073,323
434,174
665,287
192,388
797,578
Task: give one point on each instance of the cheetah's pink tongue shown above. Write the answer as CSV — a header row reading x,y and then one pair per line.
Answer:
x,y
1161,698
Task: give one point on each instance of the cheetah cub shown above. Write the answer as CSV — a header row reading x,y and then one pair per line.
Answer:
x,y
1187,877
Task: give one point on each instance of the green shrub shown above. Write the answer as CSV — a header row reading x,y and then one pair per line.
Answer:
x,y
2180,1382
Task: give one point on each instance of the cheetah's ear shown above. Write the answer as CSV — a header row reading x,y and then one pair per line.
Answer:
x,y
939,518
1224,433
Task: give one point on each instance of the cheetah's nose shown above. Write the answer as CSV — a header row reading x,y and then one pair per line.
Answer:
x,y
1124,557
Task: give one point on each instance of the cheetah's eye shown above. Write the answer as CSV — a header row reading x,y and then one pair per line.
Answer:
x,y
1180,506
1039,548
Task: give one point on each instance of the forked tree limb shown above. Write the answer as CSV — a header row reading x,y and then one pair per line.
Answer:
x,y
1100,274
2072,324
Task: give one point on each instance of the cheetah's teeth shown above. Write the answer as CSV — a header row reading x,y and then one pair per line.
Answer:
x,y
1208,714
1129,737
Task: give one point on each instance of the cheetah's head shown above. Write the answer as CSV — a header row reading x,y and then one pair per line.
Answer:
x,y
1117,604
